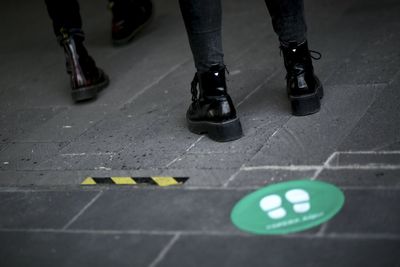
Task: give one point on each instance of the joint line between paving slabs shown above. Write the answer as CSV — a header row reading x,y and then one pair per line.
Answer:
x,y
213,188
322,230
184,153
282,167
257,87
176,235
232,177
318,168
165,250
88,154
372,152
325,165
82,210
394,77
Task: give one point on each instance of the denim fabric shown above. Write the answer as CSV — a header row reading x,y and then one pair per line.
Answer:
x,y
288,20
203,24
65,15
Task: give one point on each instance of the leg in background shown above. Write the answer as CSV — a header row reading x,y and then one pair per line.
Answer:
x,y
86,79
129,17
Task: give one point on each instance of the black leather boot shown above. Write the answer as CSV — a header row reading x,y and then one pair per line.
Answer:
x,y
86,79
212,111
129,17
303,86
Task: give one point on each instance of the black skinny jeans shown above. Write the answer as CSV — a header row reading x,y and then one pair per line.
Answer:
x,y
65,15
203,24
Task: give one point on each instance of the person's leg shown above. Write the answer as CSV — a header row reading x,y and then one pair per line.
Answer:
x,y
212,111
288,20
304,88
65,16
86,78
203,21
128,18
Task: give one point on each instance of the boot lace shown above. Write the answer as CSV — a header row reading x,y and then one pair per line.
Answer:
x,y
318,54
313,54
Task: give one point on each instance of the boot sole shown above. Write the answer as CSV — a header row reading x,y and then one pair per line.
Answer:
x,y
89,92
307,104
129,38
220,132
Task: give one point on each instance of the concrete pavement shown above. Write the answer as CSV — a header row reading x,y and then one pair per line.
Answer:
x,y
48,144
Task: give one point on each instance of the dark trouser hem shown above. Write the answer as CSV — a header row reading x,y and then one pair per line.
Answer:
x,y
203,25
65,16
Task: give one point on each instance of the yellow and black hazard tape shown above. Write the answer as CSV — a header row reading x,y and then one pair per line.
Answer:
x,y
154,180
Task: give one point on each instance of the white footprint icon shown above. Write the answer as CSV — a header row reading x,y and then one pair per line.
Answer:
x,y
300,200
272,206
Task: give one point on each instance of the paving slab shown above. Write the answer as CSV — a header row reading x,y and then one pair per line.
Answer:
x,y
22,178
375,178
376,59
78,161
31,60
391,146
312,139
27,156
162,210
257,132
51,209
275,251
125,142
39,91
378,128
331,31
66,125
78,249
21,122
137,127
368,211
198,210
369,158
111,134
26,57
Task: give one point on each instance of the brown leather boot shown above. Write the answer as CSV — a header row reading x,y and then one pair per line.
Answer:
x,y
86,79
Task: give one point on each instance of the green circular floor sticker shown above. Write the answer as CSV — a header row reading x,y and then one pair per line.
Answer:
x,y
287,207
